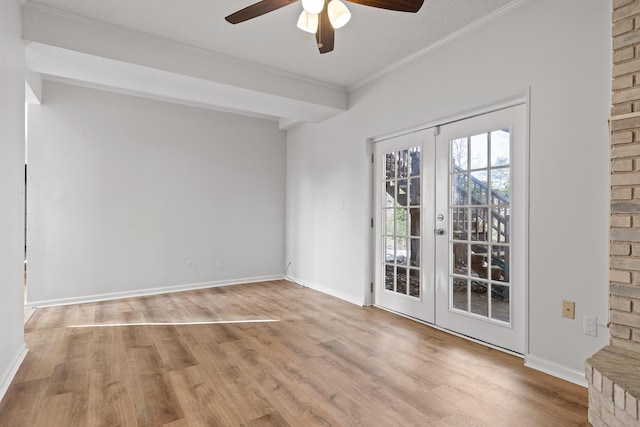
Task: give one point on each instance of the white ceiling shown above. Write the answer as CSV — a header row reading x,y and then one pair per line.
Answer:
x,y
373,40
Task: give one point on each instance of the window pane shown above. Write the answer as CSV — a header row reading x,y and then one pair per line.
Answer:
x,y
389,249
500,263
414,222
479,188
459,189
500,302
414,282
415,161
389,221
479,264
414,252
500,217
460,257
401,250
459,154
500,186
479,224
390,166
479,151
414,192
388,277
500,154
479,302
459,294
403,163
401,221
401,277
459,223
401,194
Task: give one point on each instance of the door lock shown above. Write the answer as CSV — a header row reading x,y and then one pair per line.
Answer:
x,y
440,217
438,232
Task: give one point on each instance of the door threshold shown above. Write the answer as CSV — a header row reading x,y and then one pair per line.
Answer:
x,y
449,331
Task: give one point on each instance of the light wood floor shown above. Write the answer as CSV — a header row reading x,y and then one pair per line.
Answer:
x,y
323,362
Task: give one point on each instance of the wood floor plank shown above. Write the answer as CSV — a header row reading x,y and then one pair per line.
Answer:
x,y
109,400
268,354
60,409
272,419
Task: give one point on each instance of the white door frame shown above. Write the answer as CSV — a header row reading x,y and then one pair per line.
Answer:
x,y
523,98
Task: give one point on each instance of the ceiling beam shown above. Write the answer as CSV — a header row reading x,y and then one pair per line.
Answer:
x,y
69,47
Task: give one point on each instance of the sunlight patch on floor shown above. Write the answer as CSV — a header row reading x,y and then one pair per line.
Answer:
x,y
217,322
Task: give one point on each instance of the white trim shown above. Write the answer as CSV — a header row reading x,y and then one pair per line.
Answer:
x,y
527,219
555,369
12,370
500,104
29,314
150,291
286,124
340,295
433,46
530,361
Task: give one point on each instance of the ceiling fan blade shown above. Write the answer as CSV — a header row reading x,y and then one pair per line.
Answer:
x,y
257,9
399,5
325,36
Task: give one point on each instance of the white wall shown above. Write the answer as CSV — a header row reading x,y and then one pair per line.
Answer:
x,y
12,71
561,50
123,191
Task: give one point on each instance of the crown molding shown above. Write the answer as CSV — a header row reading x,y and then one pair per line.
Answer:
x,y
443,41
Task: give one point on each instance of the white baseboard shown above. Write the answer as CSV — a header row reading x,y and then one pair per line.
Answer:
x,y
328,291
552,368
10,372
530,361
150,291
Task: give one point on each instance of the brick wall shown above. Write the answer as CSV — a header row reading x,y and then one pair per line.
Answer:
x,y
614,385
613,373
624,273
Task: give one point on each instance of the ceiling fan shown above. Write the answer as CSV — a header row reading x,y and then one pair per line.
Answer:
x,y
321,17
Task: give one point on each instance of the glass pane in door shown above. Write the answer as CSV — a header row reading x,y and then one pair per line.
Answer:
x,y
402,215
479,209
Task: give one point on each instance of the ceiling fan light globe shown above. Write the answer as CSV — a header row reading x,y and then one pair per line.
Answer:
x,y
313,6
308,22
338,13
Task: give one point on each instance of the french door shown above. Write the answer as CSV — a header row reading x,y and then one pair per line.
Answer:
x,y
405,179
451,226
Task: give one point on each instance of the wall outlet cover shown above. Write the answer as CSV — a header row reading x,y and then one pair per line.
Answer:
x,y
590,325
568,309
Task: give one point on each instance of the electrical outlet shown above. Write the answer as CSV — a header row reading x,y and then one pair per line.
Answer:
x,y
568,309
219,263
190,264
590,325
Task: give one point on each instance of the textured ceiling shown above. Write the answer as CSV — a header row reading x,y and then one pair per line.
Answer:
x,y
372,40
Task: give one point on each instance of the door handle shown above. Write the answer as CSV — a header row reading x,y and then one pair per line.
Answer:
x,y
438,232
